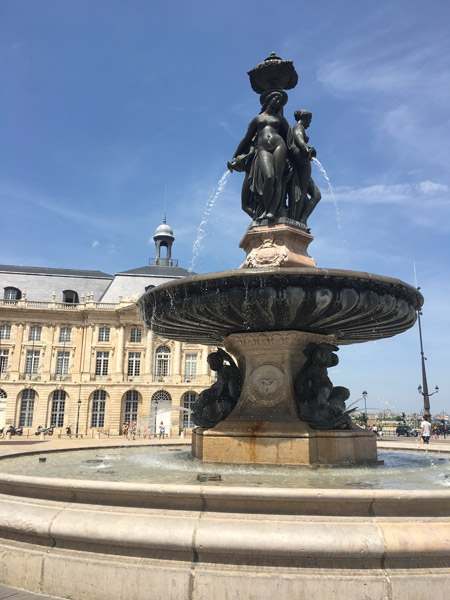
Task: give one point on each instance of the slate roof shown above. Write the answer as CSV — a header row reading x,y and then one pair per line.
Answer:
x,y
158,271
54,271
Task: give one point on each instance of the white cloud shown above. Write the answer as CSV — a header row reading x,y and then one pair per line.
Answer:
x,y
428,187
401,193
95,244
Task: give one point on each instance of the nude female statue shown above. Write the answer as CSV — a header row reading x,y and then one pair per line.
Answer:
x,y
303,192
265,143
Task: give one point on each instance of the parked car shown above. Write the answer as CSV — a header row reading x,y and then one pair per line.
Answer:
x,y
406,430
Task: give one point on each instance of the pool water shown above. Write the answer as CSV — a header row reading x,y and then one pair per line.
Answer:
x,y
400,470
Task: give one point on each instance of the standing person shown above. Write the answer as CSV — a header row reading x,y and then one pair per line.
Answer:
x,y
125,428
144,433
133,430
162,430
425,430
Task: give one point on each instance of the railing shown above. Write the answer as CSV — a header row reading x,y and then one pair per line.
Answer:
x,y
67,305
163,262
59,377
30,376
37,304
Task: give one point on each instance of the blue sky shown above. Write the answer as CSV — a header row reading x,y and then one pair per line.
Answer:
x,y
108,106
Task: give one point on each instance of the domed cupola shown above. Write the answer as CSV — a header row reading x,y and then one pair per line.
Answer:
x,y
163,238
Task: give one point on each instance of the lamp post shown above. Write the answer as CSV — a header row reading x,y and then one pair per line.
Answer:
x,y
423,389
78,413
364,395
156,413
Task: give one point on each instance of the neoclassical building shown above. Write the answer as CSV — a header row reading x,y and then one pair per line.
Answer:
x,y
74,352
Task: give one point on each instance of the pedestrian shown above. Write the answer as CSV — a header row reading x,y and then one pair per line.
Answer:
x,y
125,428
144,433
425,430
133,430
162,430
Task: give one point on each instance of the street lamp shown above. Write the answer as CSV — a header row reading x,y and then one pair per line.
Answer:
x,y
156,412
364,395
426,394
423,389
78,415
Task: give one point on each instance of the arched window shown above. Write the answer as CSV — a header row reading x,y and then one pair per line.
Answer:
x,y
58,406
27,408
160,407
188,400
131,406
12,293
70,297
162,366
98,409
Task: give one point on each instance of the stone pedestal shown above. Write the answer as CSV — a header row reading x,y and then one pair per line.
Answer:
x,y
281,245
264,426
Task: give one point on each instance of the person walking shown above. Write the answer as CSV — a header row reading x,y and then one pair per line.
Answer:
x,y
133,430
162,430
125,428
425,430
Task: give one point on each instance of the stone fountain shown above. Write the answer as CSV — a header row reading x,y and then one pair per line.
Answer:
x,y
280,316
278,322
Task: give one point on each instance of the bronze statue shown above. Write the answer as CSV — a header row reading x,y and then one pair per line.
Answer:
x,y
303,193
318,402
216,403
262,155
275,159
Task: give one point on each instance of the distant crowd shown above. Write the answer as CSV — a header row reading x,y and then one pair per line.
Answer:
x,y
130,430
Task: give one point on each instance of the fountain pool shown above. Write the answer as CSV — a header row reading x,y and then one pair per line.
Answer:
x,y
174,465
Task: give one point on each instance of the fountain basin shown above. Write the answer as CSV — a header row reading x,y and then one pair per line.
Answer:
x,y
349,305
85,539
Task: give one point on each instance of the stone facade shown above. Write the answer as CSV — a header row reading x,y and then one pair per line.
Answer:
x,y
70,362
74,351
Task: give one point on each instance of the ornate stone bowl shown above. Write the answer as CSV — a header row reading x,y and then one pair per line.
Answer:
x,y
349,305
